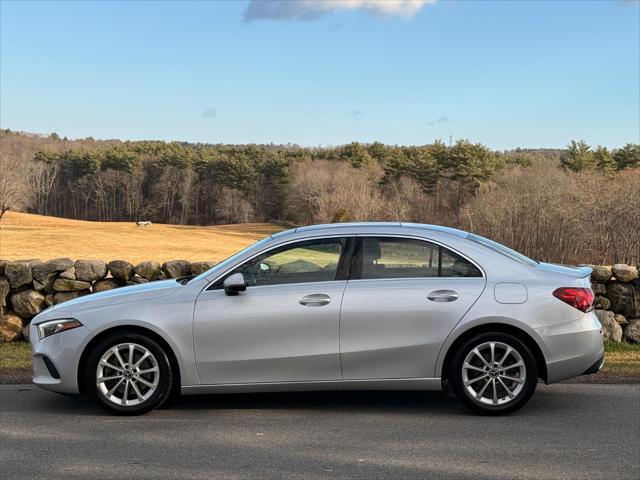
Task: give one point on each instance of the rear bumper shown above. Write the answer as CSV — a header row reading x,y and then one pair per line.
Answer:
x,y
574,348
595,368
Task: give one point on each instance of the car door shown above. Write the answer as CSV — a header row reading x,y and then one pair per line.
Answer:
x,y
285,326
403,298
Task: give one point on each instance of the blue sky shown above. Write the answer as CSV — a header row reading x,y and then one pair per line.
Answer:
x,y
505,73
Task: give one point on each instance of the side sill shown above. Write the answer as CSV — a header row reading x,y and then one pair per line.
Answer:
x,y
377,384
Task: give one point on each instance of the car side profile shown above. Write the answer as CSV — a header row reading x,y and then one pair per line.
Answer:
x,y
344,306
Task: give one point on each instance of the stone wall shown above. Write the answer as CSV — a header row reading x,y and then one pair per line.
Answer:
x,y
29,286
617,292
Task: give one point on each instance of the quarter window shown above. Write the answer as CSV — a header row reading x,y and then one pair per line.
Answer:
x,y
309,261
408,258
453,265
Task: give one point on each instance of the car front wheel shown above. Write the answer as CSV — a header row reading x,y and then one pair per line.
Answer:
x,y
129,374
494,373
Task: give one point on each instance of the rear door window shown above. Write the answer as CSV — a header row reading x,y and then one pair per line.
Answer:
x,y
391,257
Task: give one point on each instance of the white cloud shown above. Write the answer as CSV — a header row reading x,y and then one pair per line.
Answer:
x,y
439,120
315,9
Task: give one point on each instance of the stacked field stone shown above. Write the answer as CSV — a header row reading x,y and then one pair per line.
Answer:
x,y
29,286
617,290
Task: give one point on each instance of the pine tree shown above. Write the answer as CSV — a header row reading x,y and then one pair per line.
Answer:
x,y
578,157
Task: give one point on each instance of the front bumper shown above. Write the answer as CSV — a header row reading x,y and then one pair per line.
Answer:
x,y
57,356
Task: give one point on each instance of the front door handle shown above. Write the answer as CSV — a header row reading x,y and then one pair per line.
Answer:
x,y
315,300
443,296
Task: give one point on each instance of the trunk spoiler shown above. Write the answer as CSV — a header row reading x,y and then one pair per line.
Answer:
x,y
579,272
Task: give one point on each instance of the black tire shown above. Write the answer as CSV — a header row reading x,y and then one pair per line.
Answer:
x,y
524,390
151,398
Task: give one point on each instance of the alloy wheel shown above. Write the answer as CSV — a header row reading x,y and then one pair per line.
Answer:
x,y
127,374
494,373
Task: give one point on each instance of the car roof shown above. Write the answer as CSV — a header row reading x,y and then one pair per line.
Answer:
x,y
355,227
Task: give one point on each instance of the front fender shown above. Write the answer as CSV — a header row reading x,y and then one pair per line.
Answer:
x,y
185,365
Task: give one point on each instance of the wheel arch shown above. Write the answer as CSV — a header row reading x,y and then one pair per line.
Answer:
x,y
173,360
517,332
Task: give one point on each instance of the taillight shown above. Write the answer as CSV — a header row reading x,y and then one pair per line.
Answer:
x,y
578,297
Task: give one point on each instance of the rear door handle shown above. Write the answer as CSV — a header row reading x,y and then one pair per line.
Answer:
x,y
315,300
443,296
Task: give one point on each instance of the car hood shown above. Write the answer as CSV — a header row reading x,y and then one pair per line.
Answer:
x,y
117,296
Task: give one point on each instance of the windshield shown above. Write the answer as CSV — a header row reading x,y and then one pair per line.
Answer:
x,y
223,264
497,247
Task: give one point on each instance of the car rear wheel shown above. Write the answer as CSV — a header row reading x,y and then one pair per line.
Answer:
x,y
129,374
494,373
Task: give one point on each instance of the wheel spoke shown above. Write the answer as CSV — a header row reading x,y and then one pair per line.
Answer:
x,y
104,363
504,357
113,389
118,357
477,352
136,390
106,379
471,382
131,348
495,391
149,370
473,367
492,346
125,397
142,359
512,379
145,382
509,392
515,365
479,394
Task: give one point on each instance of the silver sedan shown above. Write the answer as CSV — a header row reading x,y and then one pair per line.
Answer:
x,y
344,306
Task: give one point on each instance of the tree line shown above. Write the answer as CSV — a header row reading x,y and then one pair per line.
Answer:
x,y
203,184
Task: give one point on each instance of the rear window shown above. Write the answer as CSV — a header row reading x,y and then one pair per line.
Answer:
x,y
499,248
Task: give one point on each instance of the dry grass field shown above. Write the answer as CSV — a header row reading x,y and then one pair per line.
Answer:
x,y
26,236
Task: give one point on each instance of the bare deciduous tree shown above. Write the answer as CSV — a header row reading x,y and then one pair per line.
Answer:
x,y
40,180
14,190
562,217
323,191
233,207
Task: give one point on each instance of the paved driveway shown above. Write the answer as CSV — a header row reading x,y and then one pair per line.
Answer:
x,y
566,431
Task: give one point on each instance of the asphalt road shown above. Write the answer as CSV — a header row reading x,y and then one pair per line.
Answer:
x,y
566,431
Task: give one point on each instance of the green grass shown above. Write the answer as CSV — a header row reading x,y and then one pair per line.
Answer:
x,y
622,359
15,355
621,347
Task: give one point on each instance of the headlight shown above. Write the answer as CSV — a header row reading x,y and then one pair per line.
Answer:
x,y
56,326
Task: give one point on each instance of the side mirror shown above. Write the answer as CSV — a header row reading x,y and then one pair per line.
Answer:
x,y
234,284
